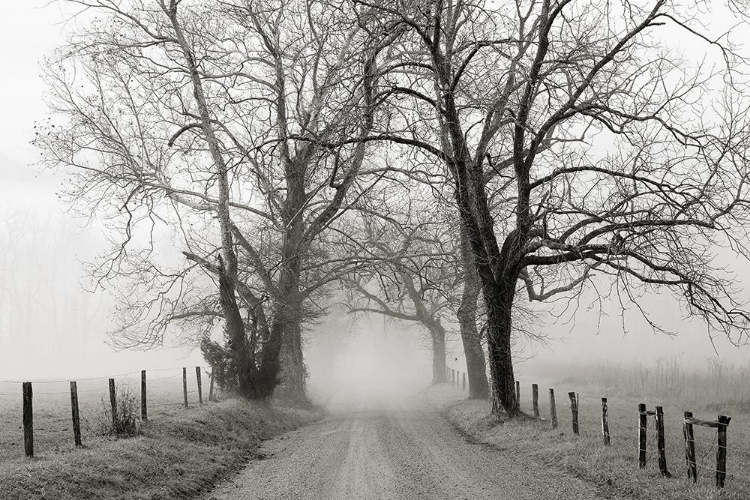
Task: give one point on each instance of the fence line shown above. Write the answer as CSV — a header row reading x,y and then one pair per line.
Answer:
x,y
111,388
659,438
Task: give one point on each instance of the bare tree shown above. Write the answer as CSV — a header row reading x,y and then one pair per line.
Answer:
x,y
407,281
213,120
414,269
578,142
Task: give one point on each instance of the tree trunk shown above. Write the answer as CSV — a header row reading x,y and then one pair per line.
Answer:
x,y
282,368
439,374
467,319
293,373
499,299
242,361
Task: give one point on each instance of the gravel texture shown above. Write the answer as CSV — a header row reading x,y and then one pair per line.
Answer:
x,y
381,447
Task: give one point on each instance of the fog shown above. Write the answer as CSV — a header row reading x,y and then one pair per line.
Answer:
x,y
360,359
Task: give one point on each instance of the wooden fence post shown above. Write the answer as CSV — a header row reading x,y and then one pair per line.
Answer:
x,y
574,411
721,451
535,399
687,430
28,420
113,403
144,408
642,428
518,395
211,385
660,442
453,377
552,408
464,382
184,385
605,422
200,387
75,413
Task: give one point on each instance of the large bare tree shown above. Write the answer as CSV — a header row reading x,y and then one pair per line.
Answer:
x,y
212,119
579,140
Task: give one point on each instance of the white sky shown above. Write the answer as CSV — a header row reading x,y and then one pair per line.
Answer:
x,y
28,30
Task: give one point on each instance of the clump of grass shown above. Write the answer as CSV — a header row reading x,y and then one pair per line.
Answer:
x,y
126,422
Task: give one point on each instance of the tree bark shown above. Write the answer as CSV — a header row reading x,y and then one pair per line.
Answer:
x,y
476,367
499,301
293,372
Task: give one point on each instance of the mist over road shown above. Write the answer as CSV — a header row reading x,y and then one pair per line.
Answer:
x,y
375,444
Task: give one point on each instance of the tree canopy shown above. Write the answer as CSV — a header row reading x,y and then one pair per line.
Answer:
x,y
575,139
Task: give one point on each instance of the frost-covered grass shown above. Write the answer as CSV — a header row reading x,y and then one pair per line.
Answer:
x,y
179,454
615,468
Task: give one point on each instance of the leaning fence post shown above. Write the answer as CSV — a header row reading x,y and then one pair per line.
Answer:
x,y
535,399
552,408
687,430
660,444
642,428
144,412
721,451
28,420
211,385
75,413
113,403
200,387
184,385
605,422
574,411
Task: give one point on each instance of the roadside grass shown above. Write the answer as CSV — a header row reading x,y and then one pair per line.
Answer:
x,y
180,452
613,469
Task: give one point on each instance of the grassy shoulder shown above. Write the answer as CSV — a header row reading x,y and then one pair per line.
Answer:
x,y
614,469
178,456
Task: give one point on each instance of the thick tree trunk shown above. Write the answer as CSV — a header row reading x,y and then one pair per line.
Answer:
x,y
499,301
285,359
282,367
293,373
439,374
467,319
242,357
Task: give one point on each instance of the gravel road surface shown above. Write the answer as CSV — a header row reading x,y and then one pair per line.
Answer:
x,y
378,446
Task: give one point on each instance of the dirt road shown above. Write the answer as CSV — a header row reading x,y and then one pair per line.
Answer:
x,y
382,447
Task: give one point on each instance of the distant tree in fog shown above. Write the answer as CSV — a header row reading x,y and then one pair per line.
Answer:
x,y
412,274
578,142
212,119
414,270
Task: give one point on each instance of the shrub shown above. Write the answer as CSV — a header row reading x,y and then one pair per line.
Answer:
x,y
126,422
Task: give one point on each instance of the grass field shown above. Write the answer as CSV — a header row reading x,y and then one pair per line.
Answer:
x,y
615,468
179,454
